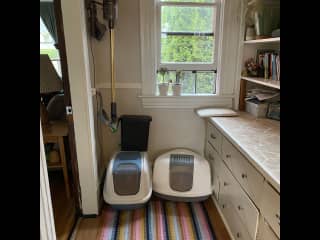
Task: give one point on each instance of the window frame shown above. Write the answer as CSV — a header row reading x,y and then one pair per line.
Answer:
x,y
229,59
187,66
56,60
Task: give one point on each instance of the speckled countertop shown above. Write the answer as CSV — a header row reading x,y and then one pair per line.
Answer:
x,y
256,138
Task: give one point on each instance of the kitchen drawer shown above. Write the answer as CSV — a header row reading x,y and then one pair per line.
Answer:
x,y
247,211
234,222
248,177
227,185
265,232
231,192
227,152
270,207
214,137
215,161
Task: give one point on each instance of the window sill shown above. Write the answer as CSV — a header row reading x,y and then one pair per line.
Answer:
x,y
186,101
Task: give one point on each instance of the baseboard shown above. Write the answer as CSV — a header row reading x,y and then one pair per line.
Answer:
x,y
222,217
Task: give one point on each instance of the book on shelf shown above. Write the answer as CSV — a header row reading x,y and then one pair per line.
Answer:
x,y
269,64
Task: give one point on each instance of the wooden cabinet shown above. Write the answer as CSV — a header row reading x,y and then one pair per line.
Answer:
x,y
248,177
237,228
231,192
215,162
270,207
214,137
265,232
243,195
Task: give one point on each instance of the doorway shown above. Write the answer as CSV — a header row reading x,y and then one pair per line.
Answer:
x,y
57,121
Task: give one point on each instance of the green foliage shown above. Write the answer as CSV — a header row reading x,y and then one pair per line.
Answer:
x,y
53,53
186,48
163,71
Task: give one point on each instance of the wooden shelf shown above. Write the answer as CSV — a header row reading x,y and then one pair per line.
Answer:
x,y
264,40
263,81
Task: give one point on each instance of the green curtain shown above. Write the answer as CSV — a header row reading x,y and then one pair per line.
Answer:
x,y
48,18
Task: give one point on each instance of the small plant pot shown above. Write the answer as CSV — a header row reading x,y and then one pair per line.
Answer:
x,y
163,89
176,89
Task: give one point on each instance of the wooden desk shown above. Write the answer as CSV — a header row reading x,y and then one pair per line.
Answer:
x,y
55,134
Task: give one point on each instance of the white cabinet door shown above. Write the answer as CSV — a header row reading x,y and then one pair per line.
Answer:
x,y
227,152
265,232
246,210
232,193
248,177
270,207
214,137
215,161
234,222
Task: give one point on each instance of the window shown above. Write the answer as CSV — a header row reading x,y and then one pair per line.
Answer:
x,y
47,47
187,40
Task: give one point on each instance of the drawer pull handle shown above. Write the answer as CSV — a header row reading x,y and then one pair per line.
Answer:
x,y
210,157
212,136
223,206
243,175
239,207
228,156
238,235
225,184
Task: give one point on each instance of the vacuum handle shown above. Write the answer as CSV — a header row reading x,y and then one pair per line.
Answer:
x,y
113,112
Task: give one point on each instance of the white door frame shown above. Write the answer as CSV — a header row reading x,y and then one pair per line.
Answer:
x,y
47,227
79,70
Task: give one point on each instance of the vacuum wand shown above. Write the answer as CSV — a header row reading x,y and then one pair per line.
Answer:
x,y
110,12
113,93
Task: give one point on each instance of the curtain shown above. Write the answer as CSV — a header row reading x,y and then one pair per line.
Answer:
x,y
48,18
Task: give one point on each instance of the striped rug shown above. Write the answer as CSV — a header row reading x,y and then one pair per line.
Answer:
x,y
158,220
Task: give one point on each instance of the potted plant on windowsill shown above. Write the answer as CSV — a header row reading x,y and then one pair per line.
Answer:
x,y
176,87
163,86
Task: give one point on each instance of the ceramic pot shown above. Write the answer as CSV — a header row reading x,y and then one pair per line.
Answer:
x,y
176,89
250,33
163,89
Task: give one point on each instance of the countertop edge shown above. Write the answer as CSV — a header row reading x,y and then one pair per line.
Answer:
x,y
268,176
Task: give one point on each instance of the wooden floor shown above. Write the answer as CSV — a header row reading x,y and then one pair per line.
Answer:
x,y
89,228
63,208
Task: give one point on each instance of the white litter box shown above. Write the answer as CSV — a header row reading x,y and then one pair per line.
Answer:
x,y
181,175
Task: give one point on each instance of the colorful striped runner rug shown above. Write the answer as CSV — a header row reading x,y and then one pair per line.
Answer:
x,y
158,220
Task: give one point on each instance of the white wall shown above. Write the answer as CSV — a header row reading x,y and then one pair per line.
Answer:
x,y
169,128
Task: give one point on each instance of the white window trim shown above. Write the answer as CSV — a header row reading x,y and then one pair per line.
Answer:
x,y
226,79
187,101
187,66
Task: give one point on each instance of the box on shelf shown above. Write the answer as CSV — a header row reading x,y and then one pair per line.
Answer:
x,y
274,111
256,108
